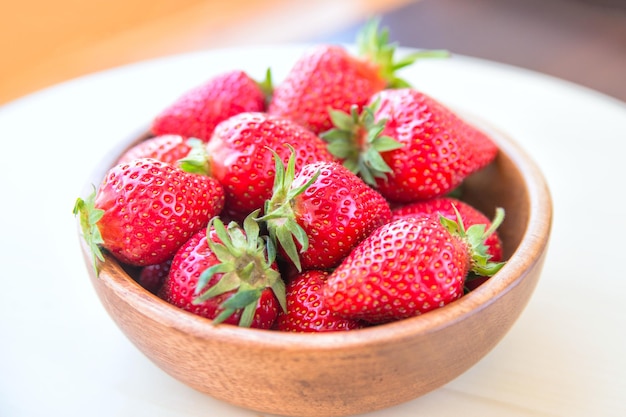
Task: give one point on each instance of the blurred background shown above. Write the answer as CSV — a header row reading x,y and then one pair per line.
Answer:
x,y
43,43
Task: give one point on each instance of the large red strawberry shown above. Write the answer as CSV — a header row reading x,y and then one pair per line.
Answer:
x,y
145,210
410,146
229,277
306,307
198,111
240,156
166,148
320,213
330,76
446,206
408,267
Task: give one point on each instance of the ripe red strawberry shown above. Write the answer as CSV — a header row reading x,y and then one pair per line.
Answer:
x,y
408,267
230,277
445,206
239,156
306,307
198,111
145,210
166,148
410,146
322,212
330,76
327,76
151,277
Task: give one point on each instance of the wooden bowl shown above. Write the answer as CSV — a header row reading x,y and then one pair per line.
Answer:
x,y
345,373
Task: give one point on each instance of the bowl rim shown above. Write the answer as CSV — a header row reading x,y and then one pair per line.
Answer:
x,y
536,233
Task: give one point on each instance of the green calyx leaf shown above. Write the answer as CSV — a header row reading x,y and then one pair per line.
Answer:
x,y
197,160
357,139
475,237
267,86
89,216
373,45
244,299
246,266
279,216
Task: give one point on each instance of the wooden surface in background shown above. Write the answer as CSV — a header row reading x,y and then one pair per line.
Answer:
x,y
44,42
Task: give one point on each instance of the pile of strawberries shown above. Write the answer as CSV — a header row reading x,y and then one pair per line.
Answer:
x,y
323,203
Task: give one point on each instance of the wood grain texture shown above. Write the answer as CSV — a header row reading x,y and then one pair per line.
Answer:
x,y
344,373
43,43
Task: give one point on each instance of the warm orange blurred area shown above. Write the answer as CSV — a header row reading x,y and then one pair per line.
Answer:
x,y
46,42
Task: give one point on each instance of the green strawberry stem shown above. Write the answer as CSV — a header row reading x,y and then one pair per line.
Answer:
x,y
89,216
358,141
279,216
267,86
475,237
197,160
246,264
373,45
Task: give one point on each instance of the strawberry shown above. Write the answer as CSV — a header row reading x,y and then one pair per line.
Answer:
x,y
324,209
151,277
145,210
306,307
409,146
408,267
239,156
199,110
446,206
229,277
166,148
329,76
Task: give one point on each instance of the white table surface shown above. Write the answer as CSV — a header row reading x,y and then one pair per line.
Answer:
x,y
61,355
